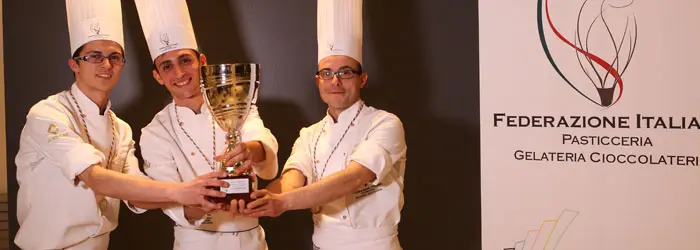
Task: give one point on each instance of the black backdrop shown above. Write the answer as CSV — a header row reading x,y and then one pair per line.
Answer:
x,y
422,60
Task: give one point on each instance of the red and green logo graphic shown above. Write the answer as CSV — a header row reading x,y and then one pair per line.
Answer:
x,y
603,42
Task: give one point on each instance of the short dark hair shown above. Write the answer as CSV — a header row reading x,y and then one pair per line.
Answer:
x,y
196,55
77,54
77,51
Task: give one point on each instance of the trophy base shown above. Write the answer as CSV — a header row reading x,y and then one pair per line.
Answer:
x,y
240,188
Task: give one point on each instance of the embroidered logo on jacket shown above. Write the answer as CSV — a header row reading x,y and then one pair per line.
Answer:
x,y
53,130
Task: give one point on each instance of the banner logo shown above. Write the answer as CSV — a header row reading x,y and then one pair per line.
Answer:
x,y
603,42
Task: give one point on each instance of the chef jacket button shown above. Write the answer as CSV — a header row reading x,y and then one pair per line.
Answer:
x,y
192,153
345,217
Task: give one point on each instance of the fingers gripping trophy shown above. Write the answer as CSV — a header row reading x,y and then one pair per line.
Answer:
x,y
229,90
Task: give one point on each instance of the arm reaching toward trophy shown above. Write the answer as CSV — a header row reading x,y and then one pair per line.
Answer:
x,y
337,185
149,193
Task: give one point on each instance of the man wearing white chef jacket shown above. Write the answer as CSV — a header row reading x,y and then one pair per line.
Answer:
x,y
76,157
182,139
349,167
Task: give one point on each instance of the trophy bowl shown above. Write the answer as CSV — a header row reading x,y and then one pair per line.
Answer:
x,y
230,90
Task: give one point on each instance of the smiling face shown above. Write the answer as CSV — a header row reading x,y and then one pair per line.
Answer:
x,y
178,71
101,76
339,93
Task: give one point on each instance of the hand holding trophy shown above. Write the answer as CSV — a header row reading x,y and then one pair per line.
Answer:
x,y
229,90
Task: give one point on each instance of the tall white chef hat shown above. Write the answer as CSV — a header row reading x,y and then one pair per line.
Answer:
x,y
166,25
90,20
339,28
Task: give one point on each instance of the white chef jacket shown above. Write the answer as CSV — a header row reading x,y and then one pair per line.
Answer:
x,y
171,156
368,218
54,209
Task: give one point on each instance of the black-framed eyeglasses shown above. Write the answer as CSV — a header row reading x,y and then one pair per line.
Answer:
x,y
114,59
345,73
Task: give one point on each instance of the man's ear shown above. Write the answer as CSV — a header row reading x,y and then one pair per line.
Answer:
x,y
318,81
363,79
157,77
73,65
202,59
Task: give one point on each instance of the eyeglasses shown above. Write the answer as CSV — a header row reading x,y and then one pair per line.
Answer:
x,y
345,73
115,58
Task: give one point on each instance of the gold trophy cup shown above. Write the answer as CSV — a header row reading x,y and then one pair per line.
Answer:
x,y
230,90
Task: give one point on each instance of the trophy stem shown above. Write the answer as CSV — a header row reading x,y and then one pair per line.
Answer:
x,y
232,138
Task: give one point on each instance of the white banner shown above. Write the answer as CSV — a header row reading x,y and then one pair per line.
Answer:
x,y
590,138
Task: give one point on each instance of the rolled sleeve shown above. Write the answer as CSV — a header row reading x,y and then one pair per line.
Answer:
x,y
300,158
385,146
52,133
268,168
177,214
254,130
134,209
